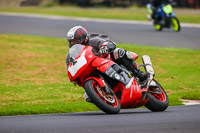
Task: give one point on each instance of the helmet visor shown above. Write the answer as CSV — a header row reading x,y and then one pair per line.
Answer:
x,y
74,41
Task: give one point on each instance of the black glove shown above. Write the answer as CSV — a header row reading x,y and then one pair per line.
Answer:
x,y
104,50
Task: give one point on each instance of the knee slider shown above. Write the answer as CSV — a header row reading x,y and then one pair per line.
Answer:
x,y
118,53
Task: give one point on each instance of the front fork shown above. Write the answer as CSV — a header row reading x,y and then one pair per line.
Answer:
x,y
102,83
107,88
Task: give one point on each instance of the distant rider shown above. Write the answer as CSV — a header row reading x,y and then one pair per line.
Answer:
x,y
153,6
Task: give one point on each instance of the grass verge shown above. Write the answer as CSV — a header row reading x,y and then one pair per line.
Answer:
x,y
131,13
33,76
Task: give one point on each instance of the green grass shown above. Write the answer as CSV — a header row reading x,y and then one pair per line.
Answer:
x,y
33,75
131,13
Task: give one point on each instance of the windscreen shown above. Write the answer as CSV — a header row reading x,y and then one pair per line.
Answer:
x,y
75,50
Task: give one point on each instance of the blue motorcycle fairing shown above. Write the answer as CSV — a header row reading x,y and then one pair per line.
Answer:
x,y
161,14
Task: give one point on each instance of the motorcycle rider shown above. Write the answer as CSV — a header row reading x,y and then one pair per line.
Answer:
x,y
103,45
153,6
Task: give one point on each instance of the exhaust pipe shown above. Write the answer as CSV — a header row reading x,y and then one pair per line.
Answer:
x,y
147,64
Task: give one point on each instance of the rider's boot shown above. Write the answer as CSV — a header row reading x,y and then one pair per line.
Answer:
x,y
132,66
126,59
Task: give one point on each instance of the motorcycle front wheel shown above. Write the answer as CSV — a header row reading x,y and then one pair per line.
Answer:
x,y
175,24
158,99
108,103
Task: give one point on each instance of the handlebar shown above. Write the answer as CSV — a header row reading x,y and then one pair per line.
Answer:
x,y
97,54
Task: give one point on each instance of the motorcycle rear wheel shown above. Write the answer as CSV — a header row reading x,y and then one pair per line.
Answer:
x,y
175,24
158,99
106,102
158,27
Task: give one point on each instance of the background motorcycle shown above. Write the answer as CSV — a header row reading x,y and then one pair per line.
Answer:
x,y
165,18
110,86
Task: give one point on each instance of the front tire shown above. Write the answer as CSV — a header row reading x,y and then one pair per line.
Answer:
x,y
175,24
106,102
158,99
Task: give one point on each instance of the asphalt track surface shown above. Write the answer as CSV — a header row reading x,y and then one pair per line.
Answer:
x,y
179,119
120,31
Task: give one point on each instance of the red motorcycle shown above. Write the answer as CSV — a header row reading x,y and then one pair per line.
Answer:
x,y
110,86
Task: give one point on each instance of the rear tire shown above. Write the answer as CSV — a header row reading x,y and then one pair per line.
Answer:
x,y
158,27
107,103
175,24
157,101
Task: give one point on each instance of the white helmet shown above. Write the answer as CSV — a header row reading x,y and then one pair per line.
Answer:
x,y
77,35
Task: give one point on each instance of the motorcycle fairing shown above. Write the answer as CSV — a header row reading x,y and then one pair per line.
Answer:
x,y
115,72
102,64
82,63
108,68
134,55
130,95
167,9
